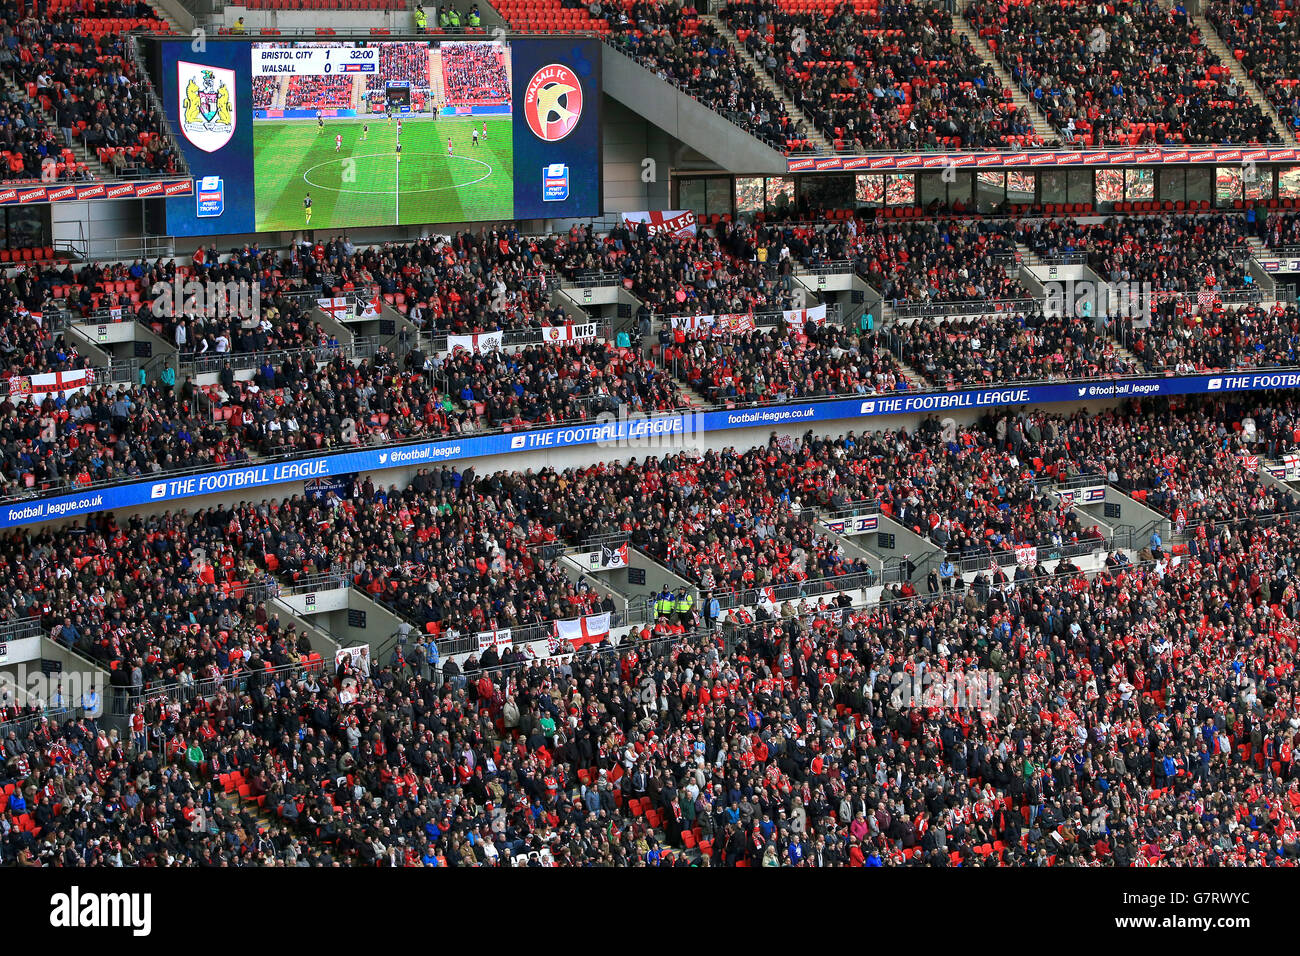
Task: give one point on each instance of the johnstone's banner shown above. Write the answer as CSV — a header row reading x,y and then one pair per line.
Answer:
x,y
1142,156
796,416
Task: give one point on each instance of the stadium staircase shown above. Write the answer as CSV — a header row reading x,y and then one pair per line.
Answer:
x,y
1215,44
1258,250
819,142
173,25
961,27
80,151
1026,256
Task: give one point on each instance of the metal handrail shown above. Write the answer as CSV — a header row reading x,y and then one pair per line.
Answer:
x,y
807,588
1077,481
838,267
903,309
593,280
15,628
980,561
438,342
462,643
124,699
863,506
213,361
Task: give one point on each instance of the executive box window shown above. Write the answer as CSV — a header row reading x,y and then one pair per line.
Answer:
x,y
1288,183
780,194
990,190
1200,184
1183,185
888,189
749,196
705,195
1250,183
1139,184
828,191
870,189
1066,186
1110,186
26,227
956,188
900,189
1021,188
766,194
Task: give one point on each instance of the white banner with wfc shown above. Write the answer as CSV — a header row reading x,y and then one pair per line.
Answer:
x,y
570,334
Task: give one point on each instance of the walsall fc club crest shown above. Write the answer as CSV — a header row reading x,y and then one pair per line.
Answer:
x,y
207,104
553,102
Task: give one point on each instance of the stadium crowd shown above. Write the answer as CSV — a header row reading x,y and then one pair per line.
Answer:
x,y
548,384
989,710
888,76
1123,73
474,73
674,43
1031,346
85,78
318,92
1175,253
1262,35
780,364
1186,339
1142,715
937,262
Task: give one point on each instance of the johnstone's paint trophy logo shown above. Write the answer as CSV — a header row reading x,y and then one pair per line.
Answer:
x,y
208,106
553,102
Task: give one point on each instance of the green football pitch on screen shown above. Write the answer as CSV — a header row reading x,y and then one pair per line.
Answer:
x,y
365,182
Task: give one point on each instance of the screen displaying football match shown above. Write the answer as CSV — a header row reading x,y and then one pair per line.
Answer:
x,y
292,135
392,134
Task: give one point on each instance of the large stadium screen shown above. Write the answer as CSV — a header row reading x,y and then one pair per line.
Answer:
x,y
292,135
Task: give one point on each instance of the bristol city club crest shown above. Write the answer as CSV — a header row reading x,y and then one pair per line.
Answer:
x,y
207,104
553,102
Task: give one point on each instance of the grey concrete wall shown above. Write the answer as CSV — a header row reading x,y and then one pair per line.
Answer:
x,y
321,642
1131,512
657,577
922,551
381,625
686,119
